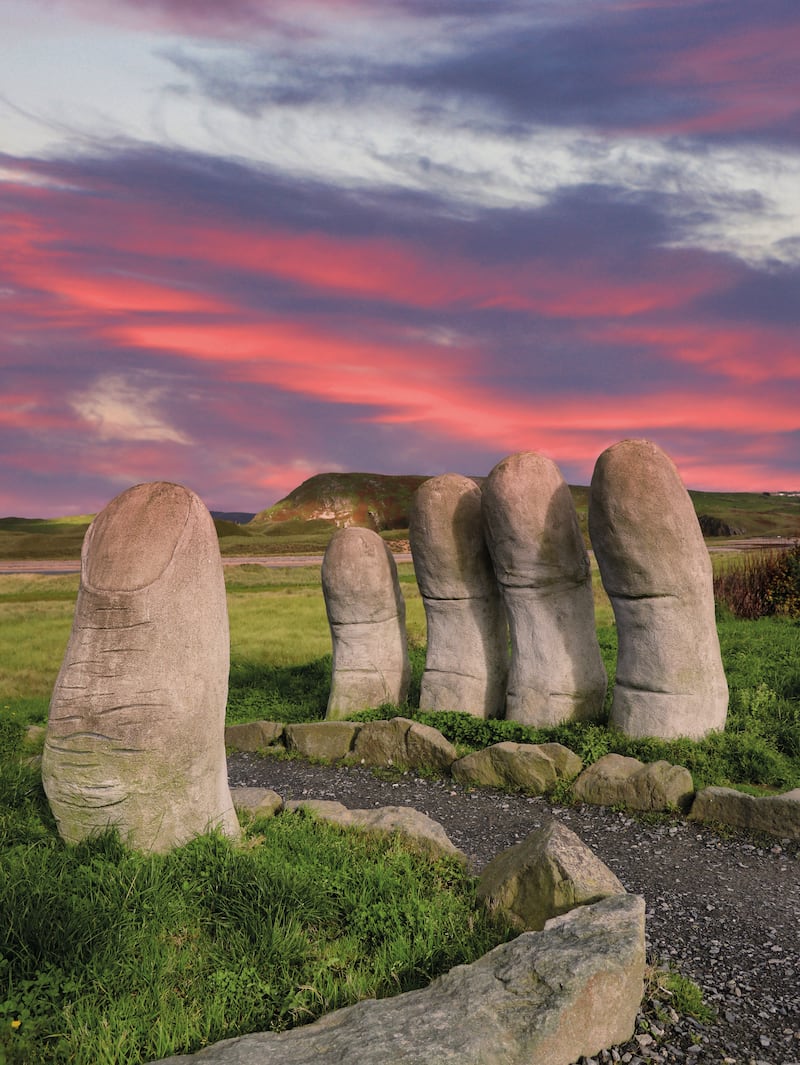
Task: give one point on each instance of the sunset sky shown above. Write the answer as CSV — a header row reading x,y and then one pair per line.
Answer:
x,y
245,242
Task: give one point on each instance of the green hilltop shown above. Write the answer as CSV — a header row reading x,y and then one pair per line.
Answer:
x,y
302,522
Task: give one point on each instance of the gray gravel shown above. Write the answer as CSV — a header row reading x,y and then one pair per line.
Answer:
x,y
723,910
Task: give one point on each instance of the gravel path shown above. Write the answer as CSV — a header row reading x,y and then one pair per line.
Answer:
x,y
722,910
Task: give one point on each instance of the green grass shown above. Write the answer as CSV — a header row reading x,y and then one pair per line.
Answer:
x,y
109,957
759,749
754,513
280,670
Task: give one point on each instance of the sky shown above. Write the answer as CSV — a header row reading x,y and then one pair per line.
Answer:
x,y
242,243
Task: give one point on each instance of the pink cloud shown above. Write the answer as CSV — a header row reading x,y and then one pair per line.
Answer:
x,y
137,279
749,78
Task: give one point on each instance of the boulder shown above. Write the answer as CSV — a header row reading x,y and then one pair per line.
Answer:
x,y
366,613
542,568
420,831
253,735
617,780
135,736
466,661
775,815
657,573
548,997
403,743
550,872
529,767
328,740
258,802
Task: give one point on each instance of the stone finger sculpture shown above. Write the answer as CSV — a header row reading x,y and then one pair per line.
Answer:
x,y
657,572
135,736
542,568
466,664
367,618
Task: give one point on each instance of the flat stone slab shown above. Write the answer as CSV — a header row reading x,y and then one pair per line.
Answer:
x,y
253,735
329,740
775,815
546,997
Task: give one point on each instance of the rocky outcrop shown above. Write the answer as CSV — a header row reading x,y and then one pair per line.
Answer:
x,y
548,997
420,831
550,872
366,614
657,573
530,767
542,567
403,743
618,780
711,526
776,815
466,662
135,736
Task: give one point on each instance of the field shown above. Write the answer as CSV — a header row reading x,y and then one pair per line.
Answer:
x,y
113,958
304,521
280,669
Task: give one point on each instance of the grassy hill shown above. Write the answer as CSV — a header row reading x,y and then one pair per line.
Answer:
x,y
303,522
372,500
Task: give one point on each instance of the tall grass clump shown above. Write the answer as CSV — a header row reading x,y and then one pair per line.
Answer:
x,y
761,584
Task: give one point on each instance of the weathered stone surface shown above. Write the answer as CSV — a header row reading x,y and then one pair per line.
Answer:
x,y
253,735
657,573
421,831
366,614
325,809
547,997
530,767
542,568
466,662
615,779
405,743
135,736
775,815
260,802
329,740
550,872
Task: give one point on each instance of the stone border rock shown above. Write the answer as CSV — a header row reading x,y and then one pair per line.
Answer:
x,y
534,768
551,997
421,832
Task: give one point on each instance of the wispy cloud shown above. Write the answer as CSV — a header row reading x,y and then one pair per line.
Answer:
x,y
408,236
117,408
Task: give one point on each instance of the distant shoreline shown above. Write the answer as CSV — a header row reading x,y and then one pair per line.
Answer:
x,y
53,567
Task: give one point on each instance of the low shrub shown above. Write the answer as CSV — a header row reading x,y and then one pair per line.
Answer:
x,y
761,584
